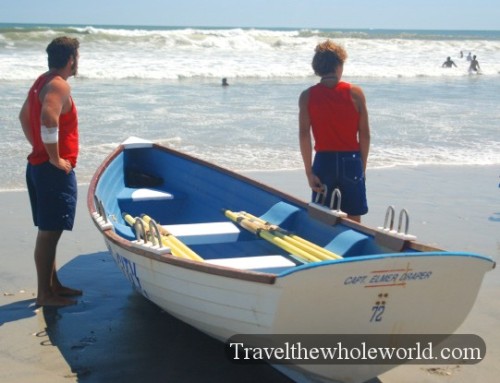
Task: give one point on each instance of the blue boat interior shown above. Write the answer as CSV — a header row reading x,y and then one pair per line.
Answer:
x,y
181,194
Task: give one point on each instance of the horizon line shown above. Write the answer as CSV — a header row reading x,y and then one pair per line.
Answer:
x,y
246,27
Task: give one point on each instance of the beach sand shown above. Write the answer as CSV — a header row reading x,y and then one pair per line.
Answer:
x,y
114,335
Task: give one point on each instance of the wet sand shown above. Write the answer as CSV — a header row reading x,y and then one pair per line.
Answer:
x,y
114,335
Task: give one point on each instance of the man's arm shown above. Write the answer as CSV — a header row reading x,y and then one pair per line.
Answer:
x,y
305,142
24,118
363,125
54,97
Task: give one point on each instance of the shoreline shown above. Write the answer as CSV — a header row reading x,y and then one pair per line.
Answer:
x,y
298,172
115,335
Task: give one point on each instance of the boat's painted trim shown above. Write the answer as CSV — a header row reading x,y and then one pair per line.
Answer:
x,y
364,258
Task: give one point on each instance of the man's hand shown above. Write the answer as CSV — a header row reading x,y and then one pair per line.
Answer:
x,y
314,183
62,164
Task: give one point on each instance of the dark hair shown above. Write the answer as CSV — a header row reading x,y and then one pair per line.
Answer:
x,y
328,57
60,51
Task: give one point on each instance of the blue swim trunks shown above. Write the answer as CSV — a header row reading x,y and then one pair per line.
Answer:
x,y
53,195
344,171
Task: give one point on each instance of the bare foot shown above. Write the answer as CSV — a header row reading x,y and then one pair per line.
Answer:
x,y
55,301
64,291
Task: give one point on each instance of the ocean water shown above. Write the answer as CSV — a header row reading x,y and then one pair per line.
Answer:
x,y
163,84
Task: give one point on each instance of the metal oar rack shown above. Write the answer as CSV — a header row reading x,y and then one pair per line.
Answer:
x,y
388,236
329,214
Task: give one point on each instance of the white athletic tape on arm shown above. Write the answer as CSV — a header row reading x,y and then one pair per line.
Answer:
x,y
50,135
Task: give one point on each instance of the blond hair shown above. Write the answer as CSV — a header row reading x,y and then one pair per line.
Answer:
x,y
327,57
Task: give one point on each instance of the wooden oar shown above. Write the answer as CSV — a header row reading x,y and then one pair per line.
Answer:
x,y
148,233
311,247
177,248
270,236
175,244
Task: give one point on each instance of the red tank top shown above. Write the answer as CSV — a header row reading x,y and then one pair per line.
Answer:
x,y
334,118
68,127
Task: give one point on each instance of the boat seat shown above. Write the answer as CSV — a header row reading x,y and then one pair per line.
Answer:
x,y
157,203
205,233
348,243
144,194
264,263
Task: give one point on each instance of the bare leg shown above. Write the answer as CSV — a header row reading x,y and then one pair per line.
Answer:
x,y
59,289
45,255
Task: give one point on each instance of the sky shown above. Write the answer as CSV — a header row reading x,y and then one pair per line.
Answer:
x,y
376,14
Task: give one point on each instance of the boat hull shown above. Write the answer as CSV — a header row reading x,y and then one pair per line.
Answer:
x,y
383,292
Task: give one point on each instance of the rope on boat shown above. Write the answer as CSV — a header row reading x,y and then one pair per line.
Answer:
x,y
308,251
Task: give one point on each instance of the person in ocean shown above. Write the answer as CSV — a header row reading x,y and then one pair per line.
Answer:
x,y
448,63
335,113
224,82
474,65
